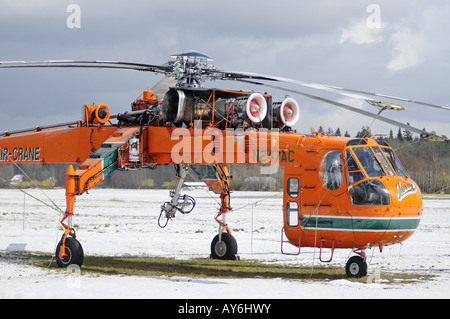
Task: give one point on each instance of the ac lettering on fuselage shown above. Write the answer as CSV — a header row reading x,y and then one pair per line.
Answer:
x,y
20,154
273,156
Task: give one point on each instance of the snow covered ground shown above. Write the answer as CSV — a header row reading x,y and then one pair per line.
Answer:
x,y
125,223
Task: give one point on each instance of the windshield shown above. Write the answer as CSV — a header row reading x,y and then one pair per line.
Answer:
x,y
383,161
368,161
396,165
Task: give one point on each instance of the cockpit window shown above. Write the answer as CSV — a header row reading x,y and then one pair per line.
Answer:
x,y
396,165
369,192
292,187
331,170
351,163
381,142
357,142
354,172
383,161
368,161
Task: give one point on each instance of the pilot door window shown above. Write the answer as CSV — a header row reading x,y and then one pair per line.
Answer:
x,y
330,172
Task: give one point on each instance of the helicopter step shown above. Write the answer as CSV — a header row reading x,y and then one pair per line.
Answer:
x,y
283,241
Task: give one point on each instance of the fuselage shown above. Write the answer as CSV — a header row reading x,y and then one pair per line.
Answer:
x,y
349,193
338,192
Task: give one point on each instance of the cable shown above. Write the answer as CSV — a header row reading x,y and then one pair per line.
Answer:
x,y
56,207
207,191
258,201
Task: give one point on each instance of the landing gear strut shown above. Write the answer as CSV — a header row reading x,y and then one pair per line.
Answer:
x,y
69,250
224,245
216,177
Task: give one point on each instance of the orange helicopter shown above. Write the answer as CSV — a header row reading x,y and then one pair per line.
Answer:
x,y
337,192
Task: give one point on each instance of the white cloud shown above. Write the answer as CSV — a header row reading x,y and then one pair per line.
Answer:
x,y
407,49
405,46
361,33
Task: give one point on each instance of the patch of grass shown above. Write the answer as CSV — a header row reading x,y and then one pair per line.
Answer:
x,y
199,268
212,268
203,268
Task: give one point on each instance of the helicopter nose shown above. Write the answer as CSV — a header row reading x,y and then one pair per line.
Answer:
x,y
407,193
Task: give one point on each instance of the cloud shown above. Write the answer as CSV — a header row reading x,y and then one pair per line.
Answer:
x,y
405,46
319,41
407,49
361,33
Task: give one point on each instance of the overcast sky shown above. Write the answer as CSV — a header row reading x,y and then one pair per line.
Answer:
x,y
402,49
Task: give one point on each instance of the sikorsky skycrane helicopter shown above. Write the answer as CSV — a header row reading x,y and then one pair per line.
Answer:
x,y
338,192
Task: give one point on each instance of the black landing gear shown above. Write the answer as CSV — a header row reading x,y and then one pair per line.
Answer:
x,y
69,252
224,246
356,267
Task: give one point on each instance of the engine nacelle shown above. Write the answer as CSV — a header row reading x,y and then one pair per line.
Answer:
x,y
288,112
174,106
231,108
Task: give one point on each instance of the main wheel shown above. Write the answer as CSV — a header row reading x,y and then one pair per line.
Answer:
x,y
74,253
225,249
356,267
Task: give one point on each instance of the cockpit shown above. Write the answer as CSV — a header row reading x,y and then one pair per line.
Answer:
x,y
364,165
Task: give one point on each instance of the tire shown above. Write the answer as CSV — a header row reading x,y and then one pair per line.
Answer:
x,y
225,249
74,251
356,267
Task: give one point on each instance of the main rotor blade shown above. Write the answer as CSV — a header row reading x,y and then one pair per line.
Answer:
x,y
232,75
389,97
85,64
422,133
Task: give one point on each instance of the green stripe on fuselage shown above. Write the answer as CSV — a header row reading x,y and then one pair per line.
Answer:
x,y
359,223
